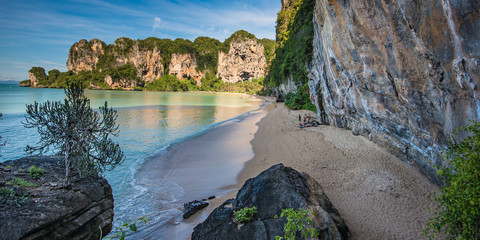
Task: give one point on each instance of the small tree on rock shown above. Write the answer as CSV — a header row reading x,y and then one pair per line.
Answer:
x,y
74,130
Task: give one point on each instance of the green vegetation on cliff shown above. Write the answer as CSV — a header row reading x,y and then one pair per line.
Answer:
x,y
39,74
294,44
294,50
300,99
207,53
459,212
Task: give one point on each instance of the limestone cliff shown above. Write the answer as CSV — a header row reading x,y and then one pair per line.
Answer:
x,y
184,66
84,55
245,60
148,62
33,79
402,73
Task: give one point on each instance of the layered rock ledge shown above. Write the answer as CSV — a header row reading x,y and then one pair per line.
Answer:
x,y
277,188
50,211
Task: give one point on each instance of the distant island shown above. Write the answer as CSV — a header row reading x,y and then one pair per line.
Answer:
x,y
239,64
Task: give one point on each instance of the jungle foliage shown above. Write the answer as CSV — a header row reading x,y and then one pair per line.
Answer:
x,y
294,44
300,99
458,214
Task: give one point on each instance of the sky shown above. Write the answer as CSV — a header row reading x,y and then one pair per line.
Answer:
x,y
41,32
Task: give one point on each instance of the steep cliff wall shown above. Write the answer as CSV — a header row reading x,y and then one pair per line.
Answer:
x,y
403,73
245,60
84,55
148,62
184,66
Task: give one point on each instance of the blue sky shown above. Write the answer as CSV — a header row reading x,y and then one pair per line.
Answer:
x,y
40,33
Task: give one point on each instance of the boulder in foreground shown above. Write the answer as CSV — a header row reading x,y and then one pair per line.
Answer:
x,y
40,208
277,188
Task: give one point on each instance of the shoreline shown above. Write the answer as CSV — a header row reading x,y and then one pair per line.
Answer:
x,y
203,166
378,195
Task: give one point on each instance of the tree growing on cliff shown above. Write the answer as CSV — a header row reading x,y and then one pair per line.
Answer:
x,y
74,130
459,212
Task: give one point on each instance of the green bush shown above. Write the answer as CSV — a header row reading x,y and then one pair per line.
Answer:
x,y
459,212
22,183
35,172
245,214
298,221
300,99
7,196
167,83
126,226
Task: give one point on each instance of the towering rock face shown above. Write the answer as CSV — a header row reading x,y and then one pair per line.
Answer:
x,y
84,55
184,66
244,61
33,79
403,73
148,62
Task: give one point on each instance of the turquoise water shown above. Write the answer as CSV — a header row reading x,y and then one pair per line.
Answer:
x,y
149,122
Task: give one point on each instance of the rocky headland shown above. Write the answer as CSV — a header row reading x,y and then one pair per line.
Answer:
x,y
39,207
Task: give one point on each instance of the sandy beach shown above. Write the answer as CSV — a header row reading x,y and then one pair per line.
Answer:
x,y
378,195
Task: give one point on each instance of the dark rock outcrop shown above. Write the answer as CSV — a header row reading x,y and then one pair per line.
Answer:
x,y
193,207
275,189
404,74
51,211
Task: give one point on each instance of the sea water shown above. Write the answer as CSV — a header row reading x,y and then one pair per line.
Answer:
x,y
149,122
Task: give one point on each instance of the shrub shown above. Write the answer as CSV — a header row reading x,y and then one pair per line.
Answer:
x,y
298,221
22,183
35,172
459,212
245,214
126,226
300,99
7,195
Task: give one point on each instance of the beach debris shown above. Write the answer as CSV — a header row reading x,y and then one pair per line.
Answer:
x,y
193,207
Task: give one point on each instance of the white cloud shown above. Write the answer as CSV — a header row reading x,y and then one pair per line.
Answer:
x,y
156,23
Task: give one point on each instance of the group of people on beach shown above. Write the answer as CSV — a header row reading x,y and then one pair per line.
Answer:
x,y
308,121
